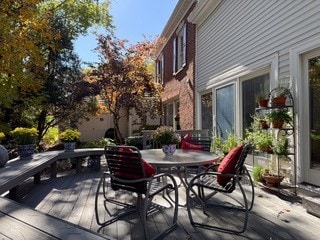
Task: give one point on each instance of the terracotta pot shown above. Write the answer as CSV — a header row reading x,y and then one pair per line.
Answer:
x,y
263,103
279,101
272,180
267,150
264,124
277,124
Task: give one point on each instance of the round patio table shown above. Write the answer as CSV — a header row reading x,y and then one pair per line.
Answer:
x,y
179,162
180,158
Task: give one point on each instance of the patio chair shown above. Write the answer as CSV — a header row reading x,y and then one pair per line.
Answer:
x,y
129,172
198,143
226,177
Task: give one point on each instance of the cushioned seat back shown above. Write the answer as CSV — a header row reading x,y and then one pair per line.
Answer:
x,y
232,163
195,143
125,163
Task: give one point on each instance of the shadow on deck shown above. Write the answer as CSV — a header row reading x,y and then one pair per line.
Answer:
x,y
71,197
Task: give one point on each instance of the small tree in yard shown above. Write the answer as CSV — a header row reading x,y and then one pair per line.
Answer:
x,y
126,79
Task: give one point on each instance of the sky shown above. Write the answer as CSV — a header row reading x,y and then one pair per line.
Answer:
x,y
133,19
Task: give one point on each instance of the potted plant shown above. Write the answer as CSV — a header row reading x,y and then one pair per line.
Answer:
x,y
279,97
69,137
25,138
278,117
281,147
262,99
272,180
263,141
261,122
167,138
225,146
4,156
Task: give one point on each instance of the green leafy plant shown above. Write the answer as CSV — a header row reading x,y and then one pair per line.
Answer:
x,y
136,141
99,143
257,172
226,145
281,147
280,92
165,135
314,136
69,135
279,114
2,136
24,136
278,117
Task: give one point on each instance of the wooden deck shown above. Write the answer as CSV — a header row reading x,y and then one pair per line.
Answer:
x,y
71,197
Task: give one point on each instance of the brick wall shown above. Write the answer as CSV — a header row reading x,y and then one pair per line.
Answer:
x,y
181,85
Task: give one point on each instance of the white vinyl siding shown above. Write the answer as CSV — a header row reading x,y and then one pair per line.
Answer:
x,y
240,33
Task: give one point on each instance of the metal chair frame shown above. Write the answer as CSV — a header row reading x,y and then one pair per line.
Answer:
x,y
207,180
126,172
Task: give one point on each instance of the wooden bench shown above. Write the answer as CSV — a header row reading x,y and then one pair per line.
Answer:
x,y
20,222
17,171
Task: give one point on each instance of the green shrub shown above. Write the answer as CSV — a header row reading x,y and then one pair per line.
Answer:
x,y
99,143
150,127
136,141
24,136
70,135
51,136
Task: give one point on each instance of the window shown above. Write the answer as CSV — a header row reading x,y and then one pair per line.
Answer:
x,y
250,88
225,111
171,114
206,111
160,70
179,49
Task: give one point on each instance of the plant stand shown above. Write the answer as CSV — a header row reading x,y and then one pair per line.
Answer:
x,y
288,132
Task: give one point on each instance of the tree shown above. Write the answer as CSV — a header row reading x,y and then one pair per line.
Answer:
x,y
46,79
21,28
125,78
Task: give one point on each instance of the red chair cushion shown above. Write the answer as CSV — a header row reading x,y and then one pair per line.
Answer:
x,y
184,144
187,145
227,165
184,139
149,169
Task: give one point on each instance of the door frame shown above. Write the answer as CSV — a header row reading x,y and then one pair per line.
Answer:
x,y
297,55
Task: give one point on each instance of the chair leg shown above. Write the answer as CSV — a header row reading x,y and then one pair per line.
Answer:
x,y
204,207
252,188
102,183
173,225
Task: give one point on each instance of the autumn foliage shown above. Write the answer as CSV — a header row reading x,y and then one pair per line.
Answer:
x,y
125,76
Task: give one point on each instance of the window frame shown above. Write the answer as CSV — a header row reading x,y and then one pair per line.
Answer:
x,y
160,70
180,49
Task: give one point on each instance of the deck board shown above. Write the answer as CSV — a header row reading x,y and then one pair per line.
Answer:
x,y
71,198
